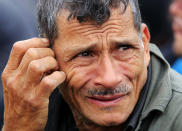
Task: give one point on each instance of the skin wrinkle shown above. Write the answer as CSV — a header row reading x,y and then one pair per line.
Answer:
x,y
107,40
92,31
77,114
91,24
101,29
85,33
104,28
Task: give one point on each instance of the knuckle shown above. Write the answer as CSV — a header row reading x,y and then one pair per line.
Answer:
x,y
11,83
34,66
18,46
32,53
32,102
47,83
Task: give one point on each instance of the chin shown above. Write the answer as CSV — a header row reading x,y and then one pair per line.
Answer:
x,y
109,119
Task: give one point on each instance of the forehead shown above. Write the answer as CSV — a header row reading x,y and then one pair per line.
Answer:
x,y
119,19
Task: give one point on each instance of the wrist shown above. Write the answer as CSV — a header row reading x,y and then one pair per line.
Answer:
x,y
15,128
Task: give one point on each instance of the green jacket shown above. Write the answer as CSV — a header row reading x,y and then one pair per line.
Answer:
x,y
163,107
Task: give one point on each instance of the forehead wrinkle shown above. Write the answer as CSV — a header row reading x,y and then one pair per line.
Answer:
x,y
77,27
110,27
107,38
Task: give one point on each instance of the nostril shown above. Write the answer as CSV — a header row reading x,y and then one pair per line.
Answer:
x,y
107,81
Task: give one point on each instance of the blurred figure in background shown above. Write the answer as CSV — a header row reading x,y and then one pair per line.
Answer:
x,y
17,22
176,13
155,13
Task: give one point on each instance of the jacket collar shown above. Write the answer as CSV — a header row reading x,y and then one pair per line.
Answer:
x,y
160,92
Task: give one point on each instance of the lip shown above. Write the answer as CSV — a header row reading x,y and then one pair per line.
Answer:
x,y
106,101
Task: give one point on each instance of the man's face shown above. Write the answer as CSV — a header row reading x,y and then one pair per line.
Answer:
x,y
106,66
176,13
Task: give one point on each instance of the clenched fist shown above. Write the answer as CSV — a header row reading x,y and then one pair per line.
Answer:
x,y
29,78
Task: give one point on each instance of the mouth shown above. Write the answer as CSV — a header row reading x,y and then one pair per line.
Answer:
x,y
105,101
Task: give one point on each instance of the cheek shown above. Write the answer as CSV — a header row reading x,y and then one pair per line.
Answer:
x,y
132,68
78,77
77,80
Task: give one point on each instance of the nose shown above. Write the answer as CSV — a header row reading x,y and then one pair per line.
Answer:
x,y
107,76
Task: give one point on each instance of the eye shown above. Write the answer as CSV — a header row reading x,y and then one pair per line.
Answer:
x,y
124,47
85,54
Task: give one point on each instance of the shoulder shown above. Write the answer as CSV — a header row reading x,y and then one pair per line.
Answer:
x,y
171,118
176,81
173,113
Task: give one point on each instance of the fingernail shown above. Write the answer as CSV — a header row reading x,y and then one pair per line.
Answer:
x,y
45,40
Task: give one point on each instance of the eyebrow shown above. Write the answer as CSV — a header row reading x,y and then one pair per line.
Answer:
x,y
117,41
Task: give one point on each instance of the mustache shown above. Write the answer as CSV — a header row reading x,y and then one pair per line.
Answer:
x,y
119,89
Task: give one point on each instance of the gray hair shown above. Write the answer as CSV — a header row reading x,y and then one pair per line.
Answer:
x,y
83,10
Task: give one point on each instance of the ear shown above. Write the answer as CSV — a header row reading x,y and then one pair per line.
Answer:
x,y
146,40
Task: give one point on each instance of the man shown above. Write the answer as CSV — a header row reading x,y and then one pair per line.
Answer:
x,y
111,80
17,22
176,13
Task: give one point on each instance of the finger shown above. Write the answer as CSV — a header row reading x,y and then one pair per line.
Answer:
x,y
8,85
49,83
5,93
37,68
19,49
34,54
